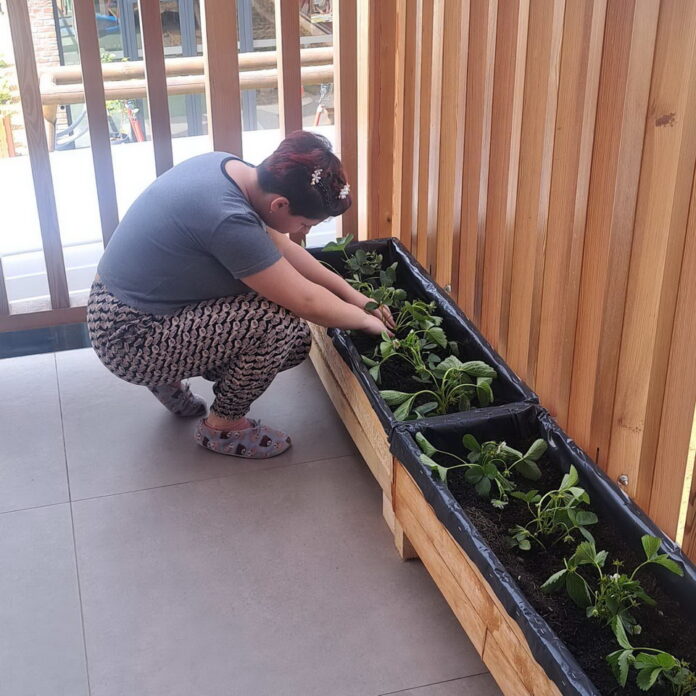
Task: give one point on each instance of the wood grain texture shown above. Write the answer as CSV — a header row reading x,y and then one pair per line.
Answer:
x,y
28,82
669,156
506,121
157,100
469,237
616,164
404,123
424,84
42,320
451,146
534,184
287,15
376,69
673,469
95,103
572,157
345,89
223,98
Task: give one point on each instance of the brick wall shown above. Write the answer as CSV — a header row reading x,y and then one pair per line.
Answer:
x,y
44,33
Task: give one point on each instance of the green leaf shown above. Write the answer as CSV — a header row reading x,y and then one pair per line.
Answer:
x,y
438,335
478,368
600,558
619,661
647,677
536,451
450,362
524,544
570,479
668,563
371,306
402,412
576,587
425,445
620,632
585,553
555,582
368,361
510,453
483,487
394,398
528,469
651,545
374,373
490,469
430,463
423,410
471,443
484,393
585,518
473,474
442,473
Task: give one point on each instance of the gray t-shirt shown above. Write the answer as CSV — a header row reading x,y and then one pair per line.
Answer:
x,y
190,236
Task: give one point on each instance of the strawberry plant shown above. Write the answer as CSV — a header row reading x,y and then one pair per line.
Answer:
x,y
490,466
556,516
451,384
652,666
609,596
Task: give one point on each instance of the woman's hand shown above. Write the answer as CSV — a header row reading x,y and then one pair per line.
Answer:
x,y
374,326
382,312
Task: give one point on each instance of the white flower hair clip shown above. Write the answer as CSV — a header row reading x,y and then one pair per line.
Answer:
x,y
316,176
343,193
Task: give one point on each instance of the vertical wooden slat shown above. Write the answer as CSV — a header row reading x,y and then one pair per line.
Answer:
x,y
469,240
451,146
28,81
4,302
345,90
510,58
223,98
436,92
672,461
536,153
158,103
404,121
376,71
424,53
572,156
287,13
629,41
90,61
669,156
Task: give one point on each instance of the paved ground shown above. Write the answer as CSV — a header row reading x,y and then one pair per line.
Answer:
x,y
135,563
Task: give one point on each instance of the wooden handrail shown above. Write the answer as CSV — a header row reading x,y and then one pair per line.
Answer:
x,y
188,65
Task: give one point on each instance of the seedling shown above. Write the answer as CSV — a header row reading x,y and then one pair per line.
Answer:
x,y
489,466
652,665
452,384
610,595
556,516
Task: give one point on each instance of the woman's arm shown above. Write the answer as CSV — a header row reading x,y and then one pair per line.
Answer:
x,y
305,264
285,285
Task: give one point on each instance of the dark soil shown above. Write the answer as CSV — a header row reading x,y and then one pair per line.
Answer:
x,y
664,626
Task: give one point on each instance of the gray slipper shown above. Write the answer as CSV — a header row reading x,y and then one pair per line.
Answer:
x,y
257,442
179,399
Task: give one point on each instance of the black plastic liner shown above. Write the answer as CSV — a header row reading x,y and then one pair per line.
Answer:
x,y
519,422
507,388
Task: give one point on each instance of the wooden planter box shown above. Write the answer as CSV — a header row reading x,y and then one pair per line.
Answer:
x,y
495,635
362,423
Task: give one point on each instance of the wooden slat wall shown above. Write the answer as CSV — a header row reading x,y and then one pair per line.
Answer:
x,y
346,105
544,157
158,102
90,61
224,101
28,80
287,15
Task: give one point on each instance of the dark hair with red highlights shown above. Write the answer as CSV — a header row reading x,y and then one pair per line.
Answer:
x,y
288,172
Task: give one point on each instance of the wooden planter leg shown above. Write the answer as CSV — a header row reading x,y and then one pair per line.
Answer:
x,y
403,545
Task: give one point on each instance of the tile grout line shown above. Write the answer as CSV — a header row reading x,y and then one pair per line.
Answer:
x,y
72,525
202,480
425,686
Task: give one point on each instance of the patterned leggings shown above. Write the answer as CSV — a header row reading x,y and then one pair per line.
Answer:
x,y
239,342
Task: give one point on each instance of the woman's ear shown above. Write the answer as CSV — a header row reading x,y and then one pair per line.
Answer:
x,y
280,204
